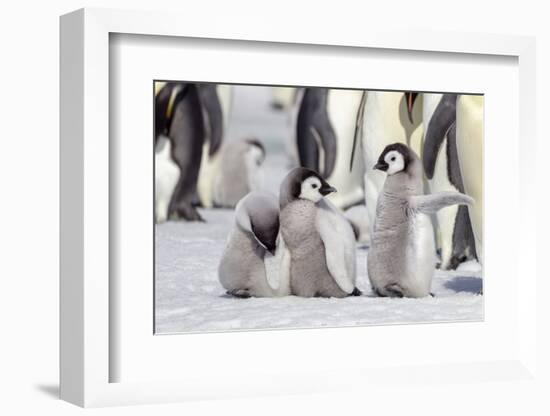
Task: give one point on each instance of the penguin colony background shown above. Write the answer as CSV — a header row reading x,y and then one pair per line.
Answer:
x,y
305,207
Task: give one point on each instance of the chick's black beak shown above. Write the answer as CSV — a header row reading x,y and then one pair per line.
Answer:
x,y
326,189
383,166
271,247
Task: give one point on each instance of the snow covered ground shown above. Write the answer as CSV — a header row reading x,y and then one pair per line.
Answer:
x,y
189,298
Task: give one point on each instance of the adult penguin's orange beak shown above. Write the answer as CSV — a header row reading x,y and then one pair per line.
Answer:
x,y
410,97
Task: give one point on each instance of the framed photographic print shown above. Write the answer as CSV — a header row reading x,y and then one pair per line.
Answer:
x,y
228,243
266,198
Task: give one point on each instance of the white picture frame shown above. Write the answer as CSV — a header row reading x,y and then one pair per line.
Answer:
x,y
86,305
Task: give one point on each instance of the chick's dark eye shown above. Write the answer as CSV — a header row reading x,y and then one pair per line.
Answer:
x,y
393,159
314,186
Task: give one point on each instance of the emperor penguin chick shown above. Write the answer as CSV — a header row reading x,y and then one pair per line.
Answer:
x,y
401,260
319,240
240,172
242,270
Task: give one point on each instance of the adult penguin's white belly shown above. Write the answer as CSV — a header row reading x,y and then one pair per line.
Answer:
x,y
469,143
210,165
440,182
291,137
385,121
342,107
167,174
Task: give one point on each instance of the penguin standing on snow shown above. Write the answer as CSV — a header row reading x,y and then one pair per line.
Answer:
x,y
441,165
401,260
319,239
242,270
469,143
185,125
188,114
216,101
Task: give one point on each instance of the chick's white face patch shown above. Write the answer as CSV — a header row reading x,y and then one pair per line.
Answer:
x,y
255,155
395,161
310,189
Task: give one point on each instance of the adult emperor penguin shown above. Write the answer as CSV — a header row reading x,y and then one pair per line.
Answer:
x,y
469,143
319,240
184,124
242,271
167,175
328,115
442,170
216,101
401,259
167,172
315,136
387,117
240,171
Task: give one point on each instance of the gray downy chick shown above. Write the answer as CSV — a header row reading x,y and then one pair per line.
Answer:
x,y
242,270
240,172
402,257
319,240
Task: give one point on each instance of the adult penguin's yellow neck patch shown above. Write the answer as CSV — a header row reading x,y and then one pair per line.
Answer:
x,y
170,106
158,86
175,89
